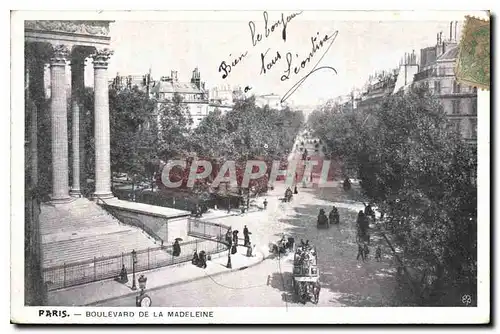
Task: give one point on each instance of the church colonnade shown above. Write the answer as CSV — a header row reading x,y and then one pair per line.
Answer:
x,y
59,56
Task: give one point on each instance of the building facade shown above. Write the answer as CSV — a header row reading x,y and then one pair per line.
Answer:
x,y
142,82
221,98
437,64
273,101
61,46
193,93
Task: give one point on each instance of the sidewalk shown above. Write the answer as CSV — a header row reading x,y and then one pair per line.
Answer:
x,y
96,292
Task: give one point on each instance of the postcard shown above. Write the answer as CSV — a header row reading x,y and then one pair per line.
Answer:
x,y
250,167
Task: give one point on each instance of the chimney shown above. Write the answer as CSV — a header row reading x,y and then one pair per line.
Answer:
x,y
456,24
451,27
195,78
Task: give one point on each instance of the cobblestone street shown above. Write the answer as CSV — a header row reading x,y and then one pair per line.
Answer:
x,y
345,281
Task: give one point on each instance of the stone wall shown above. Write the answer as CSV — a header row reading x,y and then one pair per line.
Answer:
x,y
166,229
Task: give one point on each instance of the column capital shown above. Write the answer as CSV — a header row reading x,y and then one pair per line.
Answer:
x,y
101,57
60,54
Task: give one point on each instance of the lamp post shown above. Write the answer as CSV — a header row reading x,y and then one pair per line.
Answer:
x,y
134,261
229,265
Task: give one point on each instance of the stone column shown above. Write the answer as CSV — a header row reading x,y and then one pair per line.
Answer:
x,y
77,85
83,135
101,125
58,108
33,112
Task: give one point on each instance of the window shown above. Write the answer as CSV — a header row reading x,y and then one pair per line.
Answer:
x,y
455,107
473,128
456,87
437,87
474,106
456,125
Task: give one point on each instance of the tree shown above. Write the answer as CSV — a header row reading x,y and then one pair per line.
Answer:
x,y
173,128
132,136
416,172
247,132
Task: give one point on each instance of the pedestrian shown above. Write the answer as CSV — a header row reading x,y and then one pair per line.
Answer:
x,y
176,248
195,258
295,191
378,254
247,236
235,238
361,253
123,275
369,212
265,203
203,260
366,251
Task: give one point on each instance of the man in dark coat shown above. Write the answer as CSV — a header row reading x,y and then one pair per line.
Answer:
x,y
235,237
334,216
246,235
203,260
195,258
322,218
176,248
369,212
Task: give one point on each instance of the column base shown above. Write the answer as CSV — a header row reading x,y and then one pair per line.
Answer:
x,y
75,193
97,196
60,200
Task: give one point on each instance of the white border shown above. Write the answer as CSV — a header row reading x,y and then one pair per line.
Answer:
x,y
20,313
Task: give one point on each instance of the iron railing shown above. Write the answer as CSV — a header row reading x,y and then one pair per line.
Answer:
x,y
207,230
131,221
96,269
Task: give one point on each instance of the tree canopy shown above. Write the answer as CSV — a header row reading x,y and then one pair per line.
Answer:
x,y
414,170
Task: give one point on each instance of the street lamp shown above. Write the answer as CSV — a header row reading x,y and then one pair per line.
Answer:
x,y
229,266
134,261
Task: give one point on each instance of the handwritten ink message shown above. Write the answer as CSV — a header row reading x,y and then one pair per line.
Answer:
x,y
269,59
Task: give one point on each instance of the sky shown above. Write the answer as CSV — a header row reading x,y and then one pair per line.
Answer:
x,y
360,48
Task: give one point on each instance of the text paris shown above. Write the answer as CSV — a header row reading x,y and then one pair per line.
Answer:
x,y
317,44
256,37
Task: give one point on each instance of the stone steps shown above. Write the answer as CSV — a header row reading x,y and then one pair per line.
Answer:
x,y
81,230
98,246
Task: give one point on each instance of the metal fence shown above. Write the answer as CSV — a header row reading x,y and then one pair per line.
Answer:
x,y
207,230
76,273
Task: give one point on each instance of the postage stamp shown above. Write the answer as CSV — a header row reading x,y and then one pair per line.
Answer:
x,y
245,167
473,63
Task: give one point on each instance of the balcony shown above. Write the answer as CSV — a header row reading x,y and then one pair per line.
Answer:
x,y
434,73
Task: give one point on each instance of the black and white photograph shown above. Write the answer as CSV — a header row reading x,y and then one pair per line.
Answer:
x,y
278,165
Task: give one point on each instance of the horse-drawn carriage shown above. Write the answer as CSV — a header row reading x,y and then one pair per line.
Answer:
x,y
283,246
306,274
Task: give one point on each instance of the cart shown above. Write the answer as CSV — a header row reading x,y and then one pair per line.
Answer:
x,y
306,275
280,247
